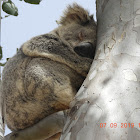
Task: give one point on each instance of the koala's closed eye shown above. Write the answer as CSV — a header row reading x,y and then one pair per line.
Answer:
x,y
85,49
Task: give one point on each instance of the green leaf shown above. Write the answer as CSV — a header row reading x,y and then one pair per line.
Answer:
x,y
2,64
17,49
1,55
33,1
10,8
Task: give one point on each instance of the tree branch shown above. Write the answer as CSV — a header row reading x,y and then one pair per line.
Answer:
x,y
44,129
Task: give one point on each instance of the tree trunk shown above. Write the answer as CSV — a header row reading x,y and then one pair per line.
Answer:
x,y
107,106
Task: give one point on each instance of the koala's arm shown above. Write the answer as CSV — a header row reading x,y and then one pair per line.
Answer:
x,y
47,45
41,46
50,46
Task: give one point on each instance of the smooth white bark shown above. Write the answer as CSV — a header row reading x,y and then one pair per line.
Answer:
x,y
111,91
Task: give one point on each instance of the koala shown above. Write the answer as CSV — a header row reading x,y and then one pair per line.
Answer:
x,y
47,71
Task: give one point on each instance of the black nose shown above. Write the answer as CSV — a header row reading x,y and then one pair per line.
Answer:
x,y
85,49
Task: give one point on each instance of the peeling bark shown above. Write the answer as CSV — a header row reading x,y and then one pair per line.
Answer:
x,y
107,106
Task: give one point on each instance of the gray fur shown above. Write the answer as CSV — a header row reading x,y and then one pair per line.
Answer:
x,y
45,74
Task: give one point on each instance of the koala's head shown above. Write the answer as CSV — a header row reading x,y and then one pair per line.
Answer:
x,y
78,29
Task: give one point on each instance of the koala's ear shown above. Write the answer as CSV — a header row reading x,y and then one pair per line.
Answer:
x,y
75,13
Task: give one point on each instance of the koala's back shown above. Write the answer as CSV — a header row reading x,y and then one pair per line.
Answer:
x,y
36,88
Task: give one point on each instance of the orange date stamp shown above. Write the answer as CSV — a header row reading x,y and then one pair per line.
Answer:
x,y
119,125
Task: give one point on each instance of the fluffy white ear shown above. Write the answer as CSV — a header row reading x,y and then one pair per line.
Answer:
x,y
75,13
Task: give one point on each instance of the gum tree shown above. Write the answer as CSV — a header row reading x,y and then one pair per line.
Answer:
x,y
107,105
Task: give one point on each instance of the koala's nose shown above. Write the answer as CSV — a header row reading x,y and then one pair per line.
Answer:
x,y
85,49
